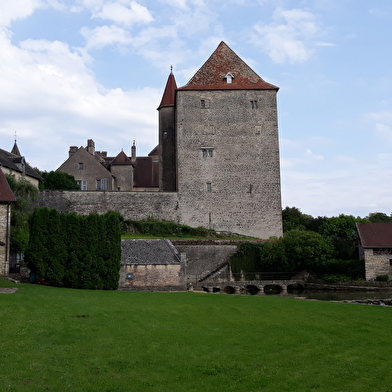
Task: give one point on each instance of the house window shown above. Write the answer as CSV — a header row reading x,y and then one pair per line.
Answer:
x,y
80,165
207,152
209,187
101,184
203,103
229,77
253,104
82,184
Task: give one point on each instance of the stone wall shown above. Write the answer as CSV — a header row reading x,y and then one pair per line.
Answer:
x,y
5,216
152,277
131,205
236,187
206,259
377,264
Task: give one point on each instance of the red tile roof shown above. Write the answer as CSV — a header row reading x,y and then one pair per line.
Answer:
x,y
375,235
6,194
169,94
211,76
121,159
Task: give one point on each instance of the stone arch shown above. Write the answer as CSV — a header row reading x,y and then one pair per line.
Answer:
x,y
252,289
295,288
229,290
216,289
273,288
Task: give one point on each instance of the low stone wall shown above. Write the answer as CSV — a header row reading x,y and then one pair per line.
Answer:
x,y
131,205
152,277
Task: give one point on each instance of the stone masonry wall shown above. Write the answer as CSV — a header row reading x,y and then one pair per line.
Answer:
x,y
155,277
4,237
237,189
377,264
131,205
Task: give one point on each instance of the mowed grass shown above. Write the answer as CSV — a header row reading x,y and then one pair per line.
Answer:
x,y
78,340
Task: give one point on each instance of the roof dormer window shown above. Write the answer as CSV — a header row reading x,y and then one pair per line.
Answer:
x,y
229,77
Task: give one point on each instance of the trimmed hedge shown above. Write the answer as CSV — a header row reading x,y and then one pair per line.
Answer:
x,y
68,250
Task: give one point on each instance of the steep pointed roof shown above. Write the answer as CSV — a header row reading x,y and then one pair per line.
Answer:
x,y
15,150
224,70
6,194
170,92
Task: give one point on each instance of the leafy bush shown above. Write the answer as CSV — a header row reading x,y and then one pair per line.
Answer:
x,y
165,228
333,278
75,251
382,278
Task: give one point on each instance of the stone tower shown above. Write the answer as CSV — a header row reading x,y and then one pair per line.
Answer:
x,y
167,138
222,151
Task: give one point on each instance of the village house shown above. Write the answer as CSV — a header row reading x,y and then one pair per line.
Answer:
x,y
376,248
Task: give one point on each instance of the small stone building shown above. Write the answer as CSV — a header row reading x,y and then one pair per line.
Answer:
x,y
151,264
6,200
376,248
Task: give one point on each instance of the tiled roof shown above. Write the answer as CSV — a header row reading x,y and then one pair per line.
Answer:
x,y
148,252
146,172
375,235
169,94
212,75
6,194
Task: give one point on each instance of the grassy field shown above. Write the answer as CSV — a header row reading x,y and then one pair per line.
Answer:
x,y
74,340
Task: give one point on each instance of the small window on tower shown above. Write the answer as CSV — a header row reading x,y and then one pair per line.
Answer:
x,y
253,104
203,103
208,152
209,187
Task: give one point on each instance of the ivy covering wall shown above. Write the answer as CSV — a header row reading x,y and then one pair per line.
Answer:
x,y
69,250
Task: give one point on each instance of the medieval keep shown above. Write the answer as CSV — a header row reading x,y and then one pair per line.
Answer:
x,y
216,165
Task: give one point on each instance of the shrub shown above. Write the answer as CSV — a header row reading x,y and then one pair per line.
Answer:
x,y
382,278
333,278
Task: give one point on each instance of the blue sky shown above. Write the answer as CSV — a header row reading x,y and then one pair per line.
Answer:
x,y
71,70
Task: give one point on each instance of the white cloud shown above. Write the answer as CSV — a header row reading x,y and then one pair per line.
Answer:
x,y
102,36
289,37
122,14
11,10
313,156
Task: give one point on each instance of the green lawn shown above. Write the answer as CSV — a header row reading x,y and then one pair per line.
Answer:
x,y
74,340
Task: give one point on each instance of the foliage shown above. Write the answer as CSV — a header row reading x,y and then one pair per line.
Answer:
x,y
166,229
293,218
75,251
58,181
68,340
26,196
376,217
382,278
334,278
297,250
355,269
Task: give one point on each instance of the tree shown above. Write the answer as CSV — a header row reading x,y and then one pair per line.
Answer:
x,y
376,217
293,218
26,200
58,181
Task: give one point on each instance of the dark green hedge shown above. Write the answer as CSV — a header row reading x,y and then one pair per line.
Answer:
x,y
68,250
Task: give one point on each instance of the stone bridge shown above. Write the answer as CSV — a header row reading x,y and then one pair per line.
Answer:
x,y
255,287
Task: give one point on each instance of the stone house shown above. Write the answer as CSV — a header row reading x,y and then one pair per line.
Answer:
x,y
216,164
94,170
6,200
151,264
375,248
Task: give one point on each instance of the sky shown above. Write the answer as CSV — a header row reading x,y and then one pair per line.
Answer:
x,y
72,70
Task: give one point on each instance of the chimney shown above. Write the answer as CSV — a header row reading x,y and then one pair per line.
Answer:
x,y
133,152
72,151
91,146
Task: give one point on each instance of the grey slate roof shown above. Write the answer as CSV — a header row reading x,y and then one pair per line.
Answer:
x,y
148,252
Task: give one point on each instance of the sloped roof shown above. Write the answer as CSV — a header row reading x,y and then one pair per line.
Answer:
x,y
375,235
6,194
14,162
211,76
121,159
169,94
15,150
148,252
